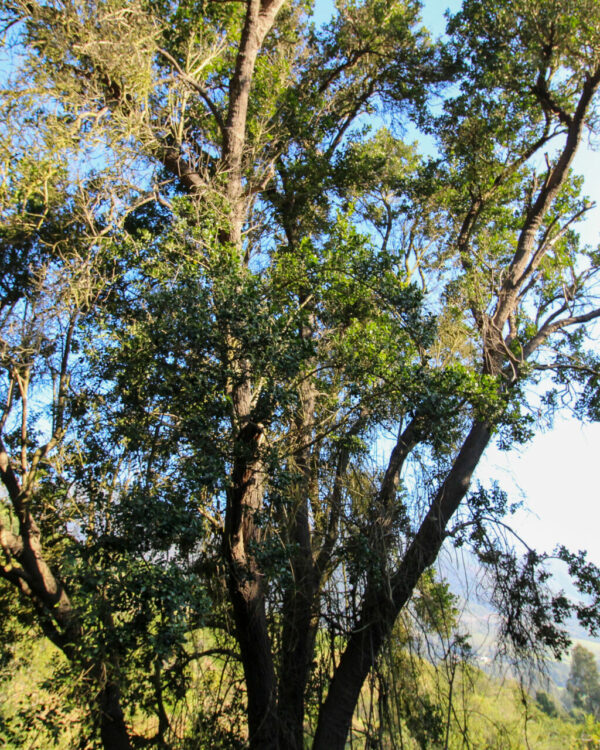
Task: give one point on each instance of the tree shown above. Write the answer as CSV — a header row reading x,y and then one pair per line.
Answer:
x,y
276,289
583,685
545,703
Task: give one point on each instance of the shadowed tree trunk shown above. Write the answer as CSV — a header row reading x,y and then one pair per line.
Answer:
x,y
299,612
113,731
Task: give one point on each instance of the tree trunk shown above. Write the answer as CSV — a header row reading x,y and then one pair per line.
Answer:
x,y
246,587
299,627
255,647
244,500
113,731
381,608
299,613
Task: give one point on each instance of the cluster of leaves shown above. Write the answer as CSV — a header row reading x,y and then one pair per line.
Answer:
x,y
365,297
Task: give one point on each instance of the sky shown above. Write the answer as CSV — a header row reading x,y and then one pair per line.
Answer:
x,y
557,473
557,476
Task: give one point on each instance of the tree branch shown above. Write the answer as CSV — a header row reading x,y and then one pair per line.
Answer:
x,y
198,87
555,179
548,328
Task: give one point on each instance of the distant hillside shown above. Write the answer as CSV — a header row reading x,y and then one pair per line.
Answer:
x,y
465,577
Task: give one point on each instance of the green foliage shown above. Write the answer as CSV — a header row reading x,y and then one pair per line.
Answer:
x,y
588,737
42,704
221,292
583,684
545,703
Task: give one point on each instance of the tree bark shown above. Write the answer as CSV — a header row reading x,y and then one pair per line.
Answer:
x,y
299,618
113,730
524,261
246,586
245,495
380,607
260,16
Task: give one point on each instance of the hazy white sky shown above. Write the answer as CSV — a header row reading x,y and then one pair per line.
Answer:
x,y
557,476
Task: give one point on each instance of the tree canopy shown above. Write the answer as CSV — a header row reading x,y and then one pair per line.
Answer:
x,y
254,342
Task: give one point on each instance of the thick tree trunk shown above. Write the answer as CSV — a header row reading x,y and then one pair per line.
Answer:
x,y
298,638
246,583
113,731
381,607
245,496
244,501
299,625
299,612
255,647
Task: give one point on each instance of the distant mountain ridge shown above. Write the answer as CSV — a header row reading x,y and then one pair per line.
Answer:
x,y
461,570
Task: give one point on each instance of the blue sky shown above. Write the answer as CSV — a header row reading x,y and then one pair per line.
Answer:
x,y
557,473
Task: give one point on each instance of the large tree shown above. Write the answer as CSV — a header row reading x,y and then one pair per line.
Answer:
x,y
251,287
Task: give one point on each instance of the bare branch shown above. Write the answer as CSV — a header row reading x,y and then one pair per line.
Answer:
x,y
198,87
549,327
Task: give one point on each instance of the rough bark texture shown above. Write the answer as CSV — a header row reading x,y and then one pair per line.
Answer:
x,y
246,587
